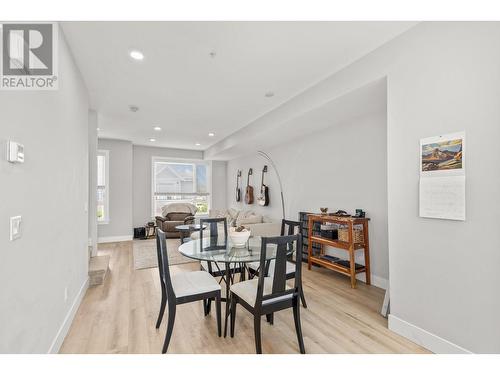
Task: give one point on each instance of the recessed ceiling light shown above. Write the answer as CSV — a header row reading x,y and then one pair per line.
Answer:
x,y
98,129
152,140
269,94
133,108
157,128
211,134
197,144
136,55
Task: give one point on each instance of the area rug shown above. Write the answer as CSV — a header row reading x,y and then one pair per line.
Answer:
x,y
145,256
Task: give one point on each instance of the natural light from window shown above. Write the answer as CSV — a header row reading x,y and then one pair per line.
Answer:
x,y
102,186
185,182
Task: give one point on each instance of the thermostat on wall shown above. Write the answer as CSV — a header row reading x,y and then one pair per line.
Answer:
x,y
15,152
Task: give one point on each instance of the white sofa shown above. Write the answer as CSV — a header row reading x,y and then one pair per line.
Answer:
x,y
259,225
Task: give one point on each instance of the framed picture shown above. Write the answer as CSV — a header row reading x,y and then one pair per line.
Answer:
x,y
443,155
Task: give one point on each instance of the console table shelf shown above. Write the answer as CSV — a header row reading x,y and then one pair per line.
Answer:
x,y
338,265
346,267
335,243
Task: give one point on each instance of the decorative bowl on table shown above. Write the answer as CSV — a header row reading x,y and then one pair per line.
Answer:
x,y
239,236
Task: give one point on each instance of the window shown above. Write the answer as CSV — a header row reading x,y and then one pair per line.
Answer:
x,y
103,186
176,181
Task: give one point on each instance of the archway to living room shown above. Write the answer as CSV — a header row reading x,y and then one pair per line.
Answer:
x,y
333,156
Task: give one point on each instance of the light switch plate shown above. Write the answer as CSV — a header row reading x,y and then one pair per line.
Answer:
x,y
15,152
15,227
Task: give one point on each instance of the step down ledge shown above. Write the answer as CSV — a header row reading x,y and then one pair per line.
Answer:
x,y
98,269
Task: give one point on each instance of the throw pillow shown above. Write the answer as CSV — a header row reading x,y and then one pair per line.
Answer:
x,y
251,219
220,214
267,219
234,213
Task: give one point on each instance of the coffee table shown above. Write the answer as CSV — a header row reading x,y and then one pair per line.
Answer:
x,y
186,230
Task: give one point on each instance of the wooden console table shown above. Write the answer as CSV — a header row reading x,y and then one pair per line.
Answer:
x,y
350,267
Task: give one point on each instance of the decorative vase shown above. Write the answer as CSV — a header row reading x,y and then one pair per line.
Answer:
x,y
239,239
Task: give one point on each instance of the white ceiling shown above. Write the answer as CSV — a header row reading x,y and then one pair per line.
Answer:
x,y
180,88
369,99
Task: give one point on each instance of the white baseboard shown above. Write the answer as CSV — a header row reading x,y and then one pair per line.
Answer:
x,y
114,239
424,338
377,281
63,330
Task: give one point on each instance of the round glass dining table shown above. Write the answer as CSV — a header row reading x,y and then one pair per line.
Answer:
x,y
222,250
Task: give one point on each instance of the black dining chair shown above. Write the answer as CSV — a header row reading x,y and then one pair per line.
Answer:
x,y
183,288
288,227
266,295
212,232
216,269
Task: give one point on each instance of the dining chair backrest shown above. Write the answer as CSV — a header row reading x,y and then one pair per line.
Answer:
x,y
164,270
289,227
213,232
279,288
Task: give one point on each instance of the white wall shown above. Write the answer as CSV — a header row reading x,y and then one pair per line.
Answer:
x,y
119,226
442,77
444,274
219,181
50,191
93,182
343,167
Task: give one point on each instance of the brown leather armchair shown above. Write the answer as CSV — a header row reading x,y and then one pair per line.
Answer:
x,y
171,220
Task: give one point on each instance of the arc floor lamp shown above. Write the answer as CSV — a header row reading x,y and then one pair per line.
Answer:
x,y
268,158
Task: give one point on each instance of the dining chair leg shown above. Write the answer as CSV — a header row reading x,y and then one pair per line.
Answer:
x,y
242,272
303,298
228,300
218,313
209,304
170,325
204,302
162,310
251,274
233,313
256,329
270,318
298,329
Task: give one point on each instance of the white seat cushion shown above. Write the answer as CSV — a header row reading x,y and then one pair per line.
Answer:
x,y
222,266
290,267
192,283
247,291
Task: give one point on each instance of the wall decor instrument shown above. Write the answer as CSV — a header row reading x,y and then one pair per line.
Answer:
x,y
249,189
263,199
238,190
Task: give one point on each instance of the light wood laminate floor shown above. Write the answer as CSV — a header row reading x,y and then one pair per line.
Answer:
x,y
120,315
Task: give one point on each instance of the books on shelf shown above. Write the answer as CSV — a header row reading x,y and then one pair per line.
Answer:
x,y
329,258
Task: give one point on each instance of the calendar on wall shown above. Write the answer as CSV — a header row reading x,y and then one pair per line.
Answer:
x,y
442,177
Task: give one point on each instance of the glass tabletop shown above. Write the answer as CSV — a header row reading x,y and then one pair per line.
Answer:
x,y
189,227
225,252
